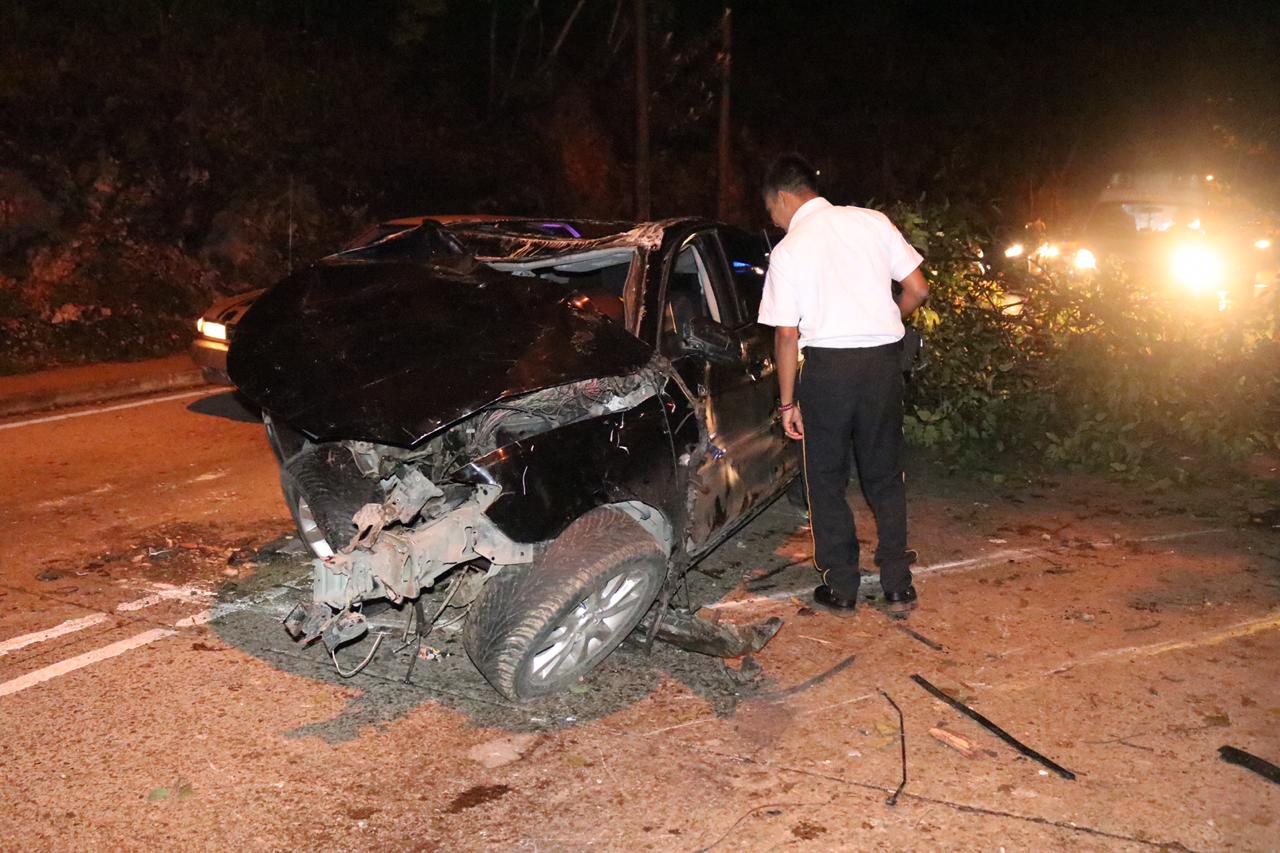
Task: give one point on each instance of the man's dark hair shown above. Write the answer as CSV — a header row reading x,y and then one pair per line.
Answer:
x,y
792,173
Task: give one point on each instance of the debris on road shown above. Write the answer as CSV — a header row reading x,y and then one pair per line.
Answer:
x,y
994,729
430,653
916,635
748,672
902,740
501,751
962,745
1249,761
718,639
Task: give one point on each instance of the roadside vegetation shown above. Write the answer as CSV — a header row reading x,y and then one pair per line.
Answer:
x,y
1101,371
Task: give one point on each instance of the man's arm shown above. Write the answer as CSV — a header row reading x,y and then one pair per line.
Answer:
x,y
915,290
786,352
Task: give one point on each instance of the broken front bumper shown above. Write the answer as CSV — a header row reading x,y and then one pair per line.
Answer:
x,y
399,562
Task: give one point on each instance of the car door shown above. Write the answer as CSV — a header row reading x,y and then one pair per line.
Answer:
x,y
736,386
776,457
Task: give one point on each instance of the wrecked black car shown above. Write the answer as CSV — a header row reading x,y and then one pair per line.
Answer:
x,y
556,426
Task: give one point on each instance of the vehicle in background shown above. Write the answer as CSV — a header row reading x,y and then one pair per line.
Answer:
x,y
214,330
556,427
1177,234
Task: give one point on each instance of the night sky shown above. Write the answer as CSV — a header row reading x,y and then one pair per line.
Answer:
x,y
1020,108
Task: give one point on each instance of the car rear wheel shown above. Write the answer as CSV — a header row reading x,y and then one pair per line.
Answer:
x,y
536,629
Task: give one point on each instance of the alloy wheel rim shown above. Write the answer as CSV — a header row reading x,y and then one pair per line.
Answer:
x,y
312,535
592,624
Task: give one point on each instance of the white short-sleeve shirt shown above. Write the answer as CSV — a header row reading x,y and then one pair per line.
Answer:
x,y
832,277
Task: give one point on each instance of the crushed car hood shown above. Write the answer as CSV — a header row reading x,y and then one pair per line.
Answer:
x,y
393,352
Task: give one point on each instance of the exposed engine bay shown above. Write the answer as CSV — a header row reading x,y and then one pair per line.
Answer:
x,y
419,530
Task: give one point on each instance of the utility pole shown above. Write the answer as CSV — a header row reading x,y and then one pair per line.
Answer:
x,y
722,157
642,110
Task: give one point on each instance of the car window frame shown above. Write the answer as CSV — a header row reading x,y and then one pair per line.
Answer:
x,y
721,300
746,318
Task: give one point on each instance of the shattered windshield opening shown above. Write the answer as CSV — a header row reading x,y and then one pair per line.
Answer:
x,y
600,276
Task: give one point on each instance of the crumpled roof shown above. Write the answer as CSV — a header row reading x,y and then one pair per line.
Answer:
x,y
500,246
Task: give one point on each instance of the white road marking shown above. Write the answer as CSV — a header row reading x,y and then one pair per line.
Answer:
x,y
72,625
195,619
165,594
63,667
969,564
1009,555
1165,537
1231,632
48,419
68,627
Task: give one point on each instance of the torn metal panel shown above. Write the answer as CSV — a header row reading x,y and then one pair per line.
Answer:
x,y
550,479
717,639
496,246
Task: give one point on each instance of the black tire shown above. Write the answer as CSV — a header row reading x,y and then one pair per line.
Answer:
x,y
316,489
519,611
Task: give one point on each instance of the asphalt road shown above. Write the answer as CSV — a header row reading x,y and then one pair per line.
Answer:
x,y
149,699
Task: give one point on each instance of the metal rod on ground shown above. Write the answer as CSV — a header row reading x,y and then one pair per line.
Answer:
x,y
994,729
425,628
902,741
416,619
916,635
1249,761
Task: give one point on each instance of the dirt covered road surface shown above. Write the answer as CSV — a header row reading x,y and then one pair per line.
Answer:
x,y
151,700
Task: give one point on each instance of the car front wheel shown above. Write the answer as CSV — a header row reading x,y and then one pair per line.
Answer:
x,y
322,502
536,629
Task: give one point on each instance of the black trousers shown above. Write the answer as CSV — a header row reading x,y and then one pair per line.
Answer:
x,y
853,398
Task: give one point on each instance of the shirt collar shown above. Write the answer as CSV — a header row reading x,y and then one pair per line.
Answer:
x,y
810,207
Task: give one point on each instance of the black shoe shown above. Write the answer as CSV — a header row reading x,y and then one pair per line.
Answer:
x,y
827,597
901,602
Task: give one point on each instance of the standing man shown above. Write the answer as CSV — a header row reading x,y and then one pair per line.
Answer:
x,y
829,291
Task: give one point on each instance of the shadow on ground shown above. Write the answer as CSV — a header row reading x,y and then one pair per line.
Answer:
x,y
229,405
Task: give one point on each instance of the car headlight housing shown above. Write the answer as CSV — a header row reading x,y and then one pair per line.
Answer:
x,y
217,331
1198,267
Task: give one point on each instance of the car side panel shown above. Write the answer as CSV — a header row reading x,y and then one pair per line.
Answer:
x,y
553,478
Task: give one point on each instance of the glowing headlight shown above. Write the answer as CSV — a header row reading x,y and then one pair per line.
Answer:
x,y
217,331
1264,243
1015,250
1049,250
1086,260
1197,267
